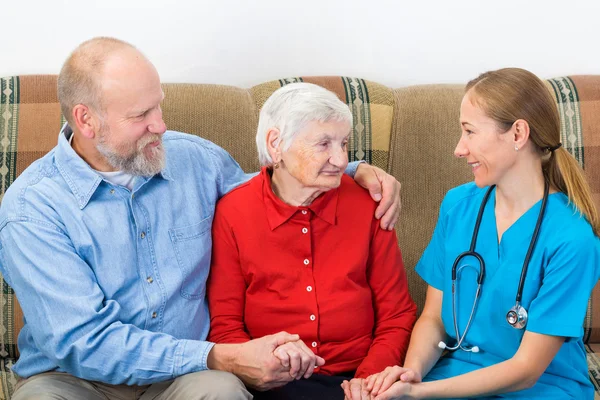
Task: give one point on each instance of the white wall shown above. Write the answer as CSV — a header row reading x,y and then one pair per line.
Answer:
x,y
239,42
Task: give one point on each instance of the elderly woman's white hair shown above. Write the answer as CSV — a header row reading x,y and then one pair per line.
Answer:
x,y
290,108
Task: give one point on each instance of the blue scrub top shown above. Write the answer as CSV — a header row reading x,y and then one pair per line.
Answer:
x,y
562,273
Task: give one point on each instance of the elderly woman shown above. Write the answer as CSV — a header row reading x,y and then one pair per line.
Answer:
x,y
297,248
512,262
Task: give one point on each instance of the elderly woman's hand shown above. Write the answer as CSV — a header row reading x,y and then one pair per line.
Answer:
x,y
356,389
300,360
383,188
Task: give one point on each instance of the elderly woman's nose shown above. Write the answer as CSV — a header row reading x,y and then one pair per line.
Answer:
x,y
338,157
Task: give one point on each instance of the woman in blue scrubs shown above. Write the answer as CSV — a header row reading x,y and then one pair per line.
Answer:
x,y
510,139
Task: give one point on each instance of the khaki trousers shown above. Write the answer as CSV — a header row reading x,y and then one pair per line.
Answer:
x,y
203,385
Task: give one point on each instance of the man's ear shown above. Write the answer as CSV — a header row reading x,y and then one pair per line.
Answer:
x,y
85,120
520,133
274,144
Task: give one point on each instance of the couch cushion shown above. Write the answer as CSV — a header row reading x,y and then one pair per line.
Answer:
x,y
225,115
29,122
372,110
578,100
426,130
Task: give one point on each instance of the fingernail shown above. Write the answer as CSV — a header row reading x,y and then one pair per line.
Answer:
x,y
377,197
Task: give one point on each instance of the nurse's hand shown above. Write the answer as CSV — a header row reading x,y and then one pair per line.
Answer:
x,y
300,360
379,383
383,188
356,389
398,391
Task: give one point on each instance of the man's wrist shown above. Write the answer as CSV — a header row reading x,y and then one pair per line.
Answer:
x,y
222,357
352,167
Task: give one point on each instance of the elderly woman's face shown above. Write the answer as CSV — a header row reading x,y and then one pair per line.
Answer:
x,y
318,155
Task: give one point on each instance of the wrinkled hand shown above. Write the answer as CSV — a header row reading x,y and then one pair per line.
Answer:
x,y
383,188
380,382
298,359
258,367
356,389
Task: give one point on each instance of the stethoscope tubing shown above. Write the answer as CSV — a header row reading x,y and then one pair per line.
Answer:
x,y
481,275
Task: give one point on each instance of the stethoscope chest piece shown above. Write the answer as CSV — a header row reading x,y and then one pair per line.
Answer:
x,y
517,316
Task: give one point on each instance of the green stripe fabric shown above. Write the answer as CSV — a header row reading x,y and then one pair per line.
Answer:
x,y
571,134
357,98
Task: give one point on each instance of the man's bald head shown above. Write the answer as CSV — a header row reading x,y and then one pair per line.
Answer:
x,y
80,79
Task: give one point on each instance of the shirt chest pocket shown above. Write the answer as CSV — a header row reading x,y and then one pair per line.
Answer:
x,y
192,245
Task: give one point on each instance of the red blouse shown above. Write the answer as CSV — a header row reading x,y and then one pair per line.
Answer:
x,y
327,272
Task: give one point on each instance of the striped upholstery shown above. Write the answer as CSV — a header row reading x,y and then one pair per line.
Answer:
x,y
410,132
372,107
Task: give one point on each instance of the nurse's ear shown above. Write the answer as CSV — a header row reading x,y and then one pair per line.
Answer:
x,y
520,132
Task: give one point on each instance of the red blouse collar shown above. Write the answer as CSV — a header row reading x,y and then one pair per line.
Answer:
x,y
278,212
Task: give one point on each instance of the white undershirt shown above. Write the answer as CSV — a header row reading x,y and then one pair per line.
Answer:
x,y
119,178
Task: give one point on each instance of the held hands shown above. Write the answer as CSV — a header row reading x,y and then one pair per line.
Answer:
x,y
379,383
383,188
393,383
298,359
256,364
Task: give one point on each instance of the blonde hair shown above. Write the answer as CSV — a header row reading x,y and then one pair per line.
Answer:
x,y
79,78
509,94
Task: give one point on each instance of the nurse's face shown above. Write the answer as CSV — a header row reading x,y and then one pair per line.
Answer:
x,y
489,150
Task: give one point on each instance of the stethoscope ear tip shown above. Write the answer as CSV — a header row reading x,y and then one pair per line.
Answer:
x,y
475,349
442,345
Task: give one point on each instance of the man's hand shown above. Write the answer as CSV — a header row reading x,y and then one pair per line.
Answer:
x,y
382,381
356,389
298,358
383,188
254,362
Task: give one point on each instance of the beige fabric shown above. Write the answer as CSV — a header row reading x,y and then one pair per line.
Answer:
x,y
225,115
203,385
426,129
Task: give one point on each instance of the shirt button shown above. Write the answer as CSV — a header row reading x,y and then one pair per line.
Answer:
x,y
304,230
314,344
149,279
309,288
112,191
312,317
154,314
304,212
306,261
143,235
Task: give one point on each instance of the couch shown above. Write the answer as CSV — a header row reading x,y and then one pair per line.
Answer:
x,y
410,132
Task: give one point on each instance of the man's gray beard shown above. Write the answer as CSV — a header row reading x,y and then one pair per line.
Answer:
x,y
136,163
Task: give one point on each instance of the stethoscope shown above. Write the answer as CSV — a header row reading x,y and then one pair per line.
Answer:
x,y
517,315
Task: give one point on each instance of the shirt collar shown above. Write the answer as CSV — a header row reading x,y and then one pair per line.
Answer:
x,y
278,212
81,178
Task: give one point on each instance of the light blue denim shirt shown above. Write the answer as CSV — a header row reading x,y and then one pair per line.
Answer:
x,y
112,281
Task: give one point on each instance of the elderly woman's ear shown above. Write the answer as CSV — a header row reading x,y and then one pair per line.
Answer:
x,y
274,144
